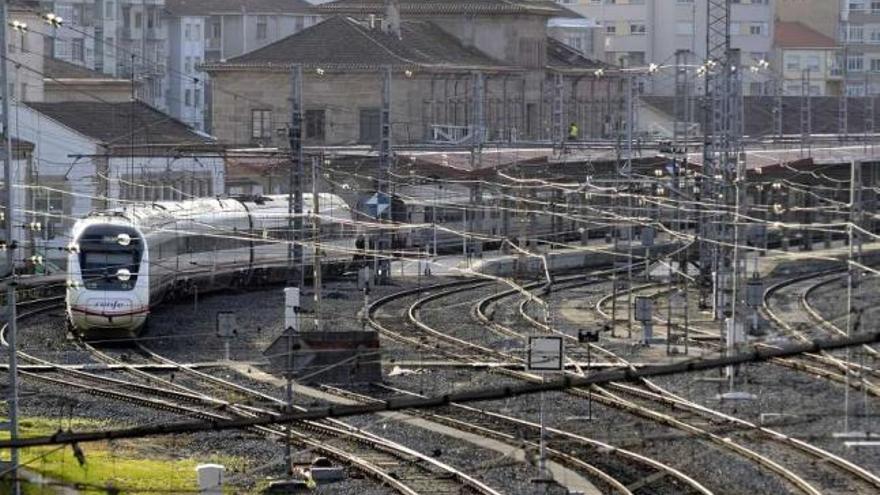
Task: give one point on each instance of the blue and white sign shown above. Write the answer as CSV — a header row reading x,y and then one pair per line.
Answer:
x,y
378,204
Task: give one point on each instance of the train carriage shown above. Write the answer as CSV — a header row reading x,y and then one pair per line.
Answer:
x,y
126,260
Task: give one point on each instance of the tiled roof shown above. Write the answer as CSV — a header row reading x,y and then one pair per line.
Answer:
x,y
563,57
344,43
55,68
111,123
422,7
797,35
761,119
209,7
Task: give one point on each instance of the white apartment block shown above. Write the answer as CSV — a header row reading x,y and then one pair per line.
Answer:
x,y
641,32
184,82
123,38
855,25
235,28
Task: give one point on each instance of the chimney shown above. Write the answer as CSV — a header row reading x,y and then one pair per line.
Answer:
x,y
392,18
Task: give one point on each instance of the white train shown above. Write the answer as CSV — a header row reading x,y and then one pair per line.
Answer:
x,y
124,261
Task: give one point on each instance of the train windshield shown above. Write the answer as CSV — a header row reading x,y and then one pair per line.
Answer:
x,y
110,257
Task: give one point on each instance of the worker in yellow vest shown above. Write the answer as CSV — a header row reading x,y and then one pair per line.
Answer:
x,y
573,132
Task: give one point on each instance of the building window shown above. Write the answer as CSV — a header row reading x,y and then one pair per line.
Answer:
x,y
77,50
853,90
138,20
812,62
369,125
792,62
216,29
197,97
197,32
261,124
109,10
633,59
196,63
187,98
875,65
758,29
637,29
262,27
299,23
611,28
875,7
187,32
575,42
856,33
315,124
855,63
187,65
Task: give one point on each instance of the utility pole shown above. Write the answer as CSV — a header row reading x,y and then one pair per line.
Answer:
x,y
630,122
558,110
843,104
295,181
777,107
382,267
316,243
12,329
806,112
869,112
479,120
852,280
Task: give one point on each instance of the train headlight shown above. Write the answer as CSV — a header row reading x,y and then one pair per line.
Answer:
x,y
123,239
73,247
123,274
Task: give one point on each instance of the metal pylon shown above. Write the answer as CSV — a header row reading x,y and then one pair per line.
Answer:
x,y
295,179
383,244
558,105
806,112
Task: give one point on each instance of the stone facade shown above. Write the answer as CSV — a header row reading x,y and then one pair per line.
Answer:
x,y
432,100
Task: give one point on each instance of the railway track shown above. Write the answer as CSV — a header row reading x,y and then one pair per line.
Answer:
x,y
656,395
830,323
658,473
637,470
785,304
869,480
402,469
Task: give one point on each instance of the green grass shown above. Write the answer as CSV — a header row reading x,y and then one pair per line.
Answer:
x,y
134,467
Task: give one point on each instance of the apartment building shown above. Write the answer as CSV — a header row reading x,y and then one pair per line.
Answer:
x,y
26,61
184,81
235,27
806,60
213,30
855,26
641,32
122,38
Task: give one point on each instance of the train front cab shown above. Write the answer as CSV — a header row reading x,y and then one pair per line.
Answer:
x,y
108,294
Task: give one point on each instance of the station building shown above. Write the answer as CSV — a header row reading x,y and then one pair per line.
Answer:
x,y
457,68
